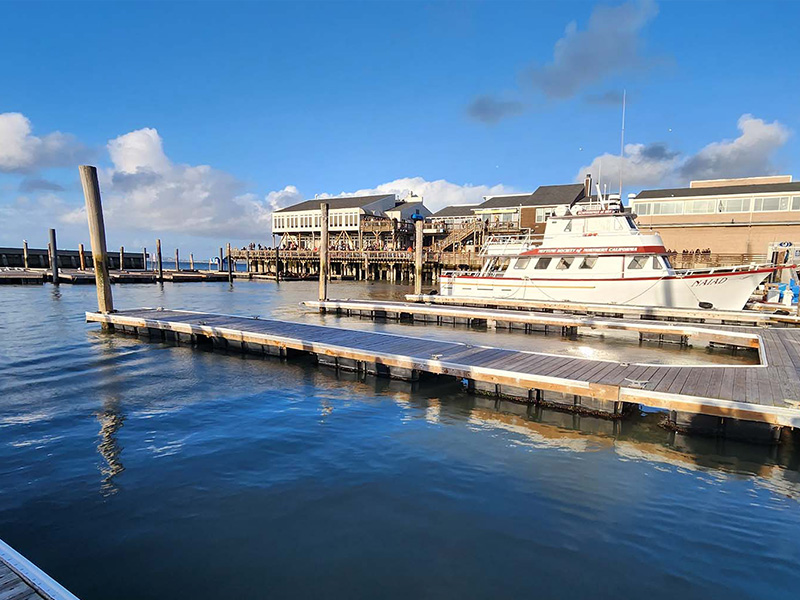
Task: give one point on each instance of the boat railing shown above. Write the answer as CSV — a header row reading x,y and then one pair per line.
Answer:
x,y
722,269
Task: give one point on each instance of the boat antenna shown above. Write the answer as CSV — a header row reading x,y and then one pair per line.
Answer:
x,y
622,143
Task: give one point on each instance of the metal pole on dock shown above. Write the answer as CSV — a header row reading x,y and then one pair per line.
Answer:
x,y
122,258
144,258
53,256
82,257
25,253
177,260
191,261
418,257
230,264
160,263
97,236
323,252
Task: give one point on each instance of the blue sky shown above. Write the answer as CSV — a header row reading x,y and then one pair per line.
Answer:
x,y
203,117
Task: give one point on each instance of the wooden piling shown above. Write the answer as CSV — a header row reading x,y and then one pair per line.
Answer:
x,y
82,257
221,263
323,252
177,260
53,256
230,264
418,257
191,261
277,259
122,258
144,258
97,236
25,253
159,261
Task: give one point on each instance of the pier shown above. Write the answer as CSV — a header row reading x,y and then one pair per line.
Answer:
x,y
20,579
754,402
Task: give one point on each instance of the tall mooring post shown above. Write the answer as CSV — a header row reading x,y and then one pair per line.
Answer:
x,y
25,253
177,260
277,258
159,262
418,257
122,258
323,252
97,236
82,257
191,261
144,258
53,256
230,264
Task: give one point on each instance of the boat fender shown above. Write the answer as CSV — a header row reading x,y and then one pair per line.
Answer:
x,y
706,305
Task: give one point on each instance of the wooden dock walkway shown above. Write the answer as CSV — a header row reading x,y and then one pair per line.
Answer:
x,y
697,315
682,333
20,579
699,397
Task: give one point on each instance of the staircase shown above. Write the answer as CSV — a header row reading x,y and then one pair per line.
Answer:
x,y
459,235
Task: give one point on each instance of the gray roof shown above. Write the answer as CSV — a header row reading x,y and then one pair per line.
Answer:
x,y
545,195
457,210
722,190
337,203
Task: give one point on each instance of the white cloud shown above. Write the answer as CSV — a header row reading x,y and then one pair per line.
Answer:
x,y
648,165
751,153
436,194
23,152
145,190
610,44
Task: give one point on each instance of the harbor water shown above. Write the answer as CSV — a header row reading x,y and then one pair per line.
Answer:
x,y
136,470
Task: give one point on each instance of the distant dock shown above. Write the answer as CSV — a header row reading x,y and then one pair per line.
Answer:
x,y
754,401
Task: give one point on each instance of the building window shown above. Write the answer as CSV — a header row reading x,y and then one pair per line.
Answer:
x,y
701,207
565,262
668,208
542,214
641,208
796,203
734,205
771,204
543,263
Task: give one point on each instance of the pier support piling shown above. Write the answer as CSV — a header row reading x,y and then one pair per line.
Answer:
x,y
230,264
53,256
122,258
25,253
323,253
159,261
144,258
97,236
177,260
418,257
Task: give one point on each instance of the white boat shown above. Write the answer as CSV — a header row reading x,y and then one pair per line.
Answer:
x,y
597,254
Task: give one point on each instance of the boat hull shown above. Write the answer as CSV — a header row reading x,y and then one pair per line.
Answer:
x,y
720,290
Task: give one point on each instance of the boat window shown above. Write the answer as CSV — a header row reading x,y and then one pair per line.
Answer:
x,y
588,262
631,224
543,263
522,263
657,263
637,262
565,262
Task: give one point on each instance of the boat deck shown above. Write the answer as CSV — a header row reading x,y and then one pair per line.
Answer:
x,y
20,579
766,393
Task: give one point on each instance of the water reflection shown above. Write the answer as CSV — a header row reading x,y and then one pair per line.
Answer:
x,y
111,420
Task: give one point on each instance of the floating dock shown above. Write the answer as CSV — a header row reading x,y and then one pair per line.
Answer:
x,y
527,321
20,579
697,315
754,401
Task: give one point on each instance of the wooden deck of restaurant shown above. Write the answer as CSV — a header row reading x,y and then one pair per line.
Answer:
x,y
726,400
